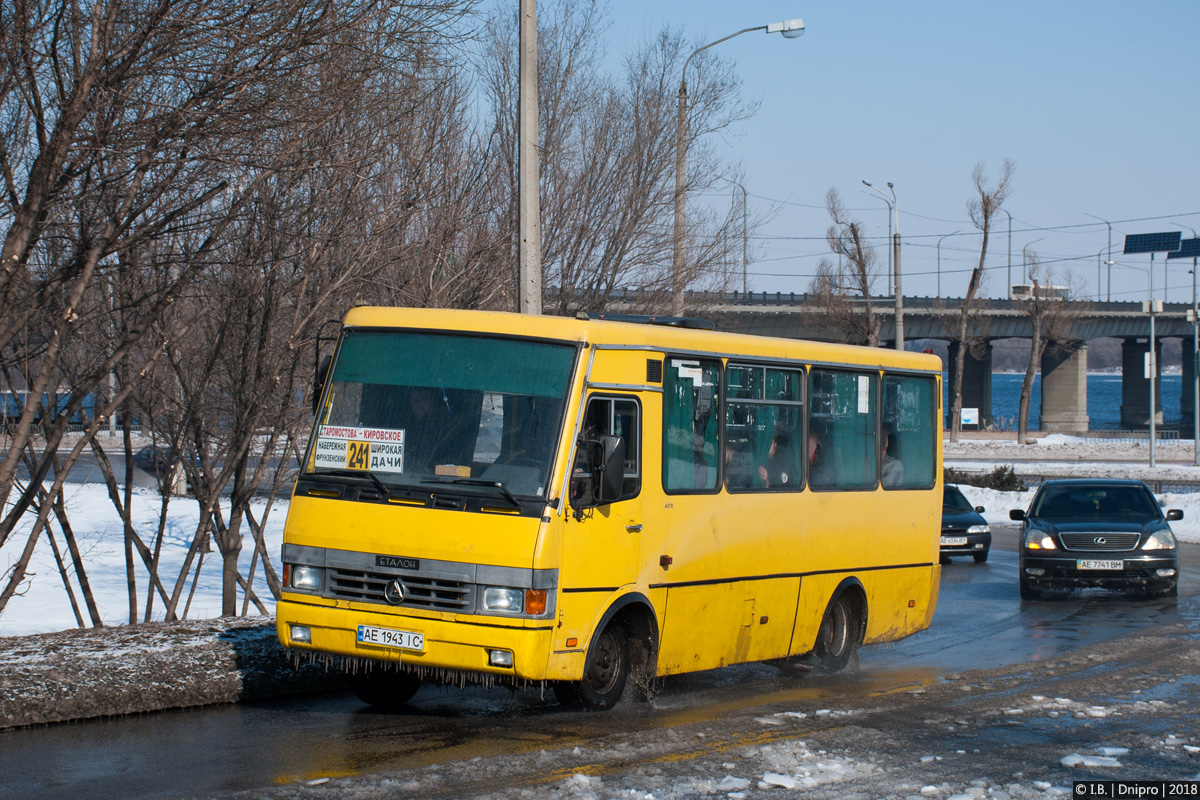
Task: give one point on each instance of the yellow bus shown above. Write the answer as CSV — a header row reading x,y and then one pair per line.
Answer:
x,y
590,503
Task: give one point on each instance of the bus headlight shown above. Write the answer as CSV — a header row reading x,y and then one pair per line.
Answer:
x,y
1037,540
1160,540
500,600
304,577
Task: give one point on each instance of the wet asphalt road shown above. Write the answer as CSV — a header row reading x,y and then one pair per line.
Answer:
x,y
980,623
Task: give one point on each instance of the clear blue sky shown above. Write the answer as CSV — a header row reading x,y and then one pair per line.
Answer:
x,y
1093,101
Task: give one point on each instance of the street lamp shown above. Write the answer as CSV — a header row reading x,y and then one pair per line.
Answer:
x,y
939,262
1191,247
745,237
1025,258
791,29
1110,261
895,207
889,249
1005,210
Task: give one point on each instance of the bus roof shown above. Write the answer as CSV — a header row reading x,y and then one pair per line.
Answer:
x,y
655,337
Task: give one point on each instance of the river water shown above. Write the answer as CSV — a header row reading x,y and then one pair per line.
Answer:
x,y
1103,400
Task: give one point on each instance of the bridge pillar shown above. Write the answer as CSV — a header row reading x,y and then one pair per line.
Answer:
x,y
1186,411
1135,388
976,384
1064,388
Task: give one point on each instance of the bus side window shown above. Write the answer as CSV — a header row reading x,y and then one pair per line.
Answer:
x,y
909,418
690,424
609,416
763,407
842,419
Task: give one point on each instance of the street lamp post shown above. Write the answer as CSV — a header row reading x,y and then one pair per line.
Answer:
x,y
745,238
890,209
1110,261
899,291
1005,210
1025,259
790,29
1192,246
939,263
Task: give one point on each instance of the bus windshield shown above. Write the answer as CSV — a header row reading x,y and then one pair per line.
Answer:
x,y
414,408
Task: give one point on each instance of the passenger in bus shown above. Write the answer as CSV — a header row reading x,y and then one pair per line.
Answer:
x,y
891,468
775,473
820,472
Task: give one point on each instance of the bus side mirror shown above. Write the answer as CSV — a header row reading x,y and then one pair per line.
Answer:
x,y
319,385
608,468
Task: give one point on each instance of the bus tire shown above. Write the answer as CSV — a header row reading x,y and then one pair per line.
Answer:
x,y
605,673
385,688
840,634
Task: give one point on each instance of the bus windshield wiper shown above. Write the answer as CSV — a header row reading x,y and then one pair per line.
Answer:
x,y
359,473
508,495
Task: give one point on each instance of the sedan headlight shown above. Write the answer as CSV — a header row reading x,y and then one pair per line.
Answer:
x,y
979,529
1160,540
500,600
304,577
1038,540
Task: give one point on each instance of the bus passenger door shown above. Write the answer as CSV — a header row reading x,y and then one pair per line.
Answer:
x,y
602,543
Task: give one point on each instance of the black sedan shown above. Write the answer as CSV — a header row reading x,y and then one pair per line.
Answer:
x,y
964,531
1110,534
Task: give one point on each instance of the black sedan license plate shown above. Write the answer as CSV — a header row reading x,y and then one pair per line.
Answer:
x,y
1092,564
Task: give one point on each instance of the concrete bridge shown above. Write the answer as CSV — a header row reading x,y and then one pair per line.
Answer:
x,y
1063,368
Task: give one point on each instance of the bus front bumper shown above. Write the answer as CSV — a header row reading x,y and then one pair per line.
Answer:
x,y
499,647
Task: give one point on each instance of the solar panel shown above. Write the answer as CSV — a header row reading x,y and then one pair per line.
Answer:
x,y
1153,242
1188,248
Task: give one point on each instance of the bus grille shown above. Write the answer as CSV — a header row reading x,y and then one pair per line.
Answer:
x,y
419,591
1087,541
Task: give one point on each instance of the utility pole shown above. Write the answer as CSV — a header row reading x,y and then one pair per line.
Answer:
x,y
529,210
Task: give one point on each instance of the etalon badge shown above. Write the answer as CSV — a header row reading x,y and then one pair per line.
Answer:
x,y
394,593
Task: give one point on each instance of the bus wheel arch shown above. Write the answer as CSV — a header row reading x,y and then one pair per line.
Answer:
x,y
623,648
843,627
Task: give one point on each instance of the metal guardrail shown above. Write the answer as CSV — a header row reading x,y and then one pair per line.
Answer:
x,y
1161,434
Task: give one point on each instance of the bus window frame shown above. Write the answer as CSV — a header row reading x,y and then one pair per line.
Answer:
x,y
800,370
718,399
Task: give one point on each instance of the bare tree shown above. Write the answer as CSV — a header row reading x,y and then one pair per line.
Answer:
x,y
607,145
845,287
1052,317
982,210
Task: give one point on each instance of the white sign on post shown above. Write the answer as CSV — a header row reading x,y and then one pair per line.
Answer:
x,y
970,416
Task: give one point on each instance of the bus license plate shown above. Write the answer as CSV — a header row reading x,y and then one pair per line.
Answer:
x,y
405,640
953,540
1095,564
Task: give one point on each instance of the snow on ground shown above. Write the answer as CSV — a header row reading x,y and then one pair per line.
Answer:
x,y
43,606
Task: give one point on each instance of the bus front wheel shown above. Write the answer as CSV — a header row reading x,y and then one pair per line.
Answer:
x,y
604,676
385,688
840,635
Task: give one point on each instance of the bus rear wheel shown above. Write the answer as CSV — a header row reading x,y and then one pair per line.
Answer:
x,y
840,635
385,688
605,673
